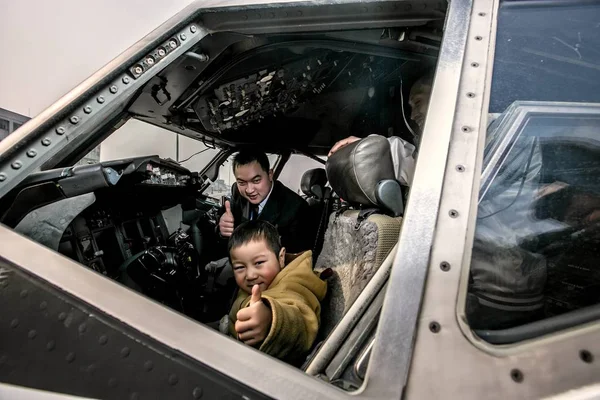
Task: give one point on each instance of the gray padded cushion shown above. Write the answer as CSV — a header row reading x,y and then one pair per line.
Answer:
x,y
355,170
312,177
354,256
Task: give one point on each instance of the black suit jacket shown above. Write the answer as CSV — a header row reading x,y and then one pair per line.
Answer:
x,y
284,209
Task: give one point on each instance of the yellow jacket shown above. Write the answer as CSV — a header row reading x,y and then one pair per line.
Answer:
x,y
294,297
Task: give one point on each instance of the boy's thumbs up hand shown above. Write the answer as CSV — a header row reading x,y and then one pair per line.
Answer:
x,y
254,322
226,223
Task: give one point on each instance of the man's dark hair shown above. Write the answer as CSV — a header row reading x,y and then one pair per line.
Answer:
x,y
246,156
255,230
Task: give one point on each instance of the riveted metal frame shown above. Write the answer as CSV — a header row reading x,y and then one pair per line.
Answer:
x,y
452,356
423,348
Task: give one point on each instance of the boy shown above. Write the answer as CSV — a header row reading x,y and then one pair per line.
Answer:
x,y
277,309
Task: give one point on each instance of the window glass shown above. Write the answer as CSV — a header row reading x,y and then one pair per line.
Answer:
x,y
536,251
4,124
294,168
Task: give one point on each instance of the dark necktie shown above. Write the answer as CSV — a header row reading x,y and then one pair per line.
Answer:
x,y
253,212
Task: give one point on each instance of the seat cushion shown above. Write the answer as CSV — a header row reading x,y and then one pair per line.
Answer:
x,y
354,255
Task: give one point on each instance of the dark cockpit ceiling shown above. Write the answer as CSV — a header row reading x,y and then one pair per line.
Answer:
x,y
297,91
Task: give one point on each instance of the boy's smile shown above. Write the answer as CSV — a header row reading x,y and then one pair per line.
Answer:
x,y
255,263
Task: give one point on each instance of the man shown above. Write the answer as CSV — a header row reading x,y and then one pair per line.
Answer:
x,y
260,197
403,152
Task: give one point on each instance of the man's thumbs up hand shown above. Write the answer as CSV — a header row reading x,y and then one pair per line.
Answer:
x,y
226,223
254,322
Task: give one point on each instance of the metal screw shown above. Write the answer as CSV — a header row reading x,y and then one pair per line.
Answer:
x,y
113,89
31,153
82,328
453,213
2,177
100,99
125,352
470,95
193,29
150,61
161,52
516,375
182,36
465,129
474,64
138,70
148,366
478,38
460,168
481,14
60,130
70,357
586,356
16,165
173,44
74,119
434,327
87,109
445,266
14,323
46,142
173,379
197,393
32,334
43,305
103,340
50,345
125,80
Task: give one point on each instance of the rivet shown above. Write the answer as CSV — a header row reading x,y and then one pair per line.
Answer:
x,y
586,356
60,130
46,142
478,38
82,328
103,340
197,393
445,266
16,165
74,119
173,379
24,293
112,382
470,95
453,213
481,14
91,368
460,168
150,60
474,64
516,375
87,109
113,89
62,316
31,153
148,366
50,345
125,80
434,327
182,36
32,334
125,352
138,70
100,99
70,357
173,44
2,177
14,323
161,52
465,129
193,29
43,305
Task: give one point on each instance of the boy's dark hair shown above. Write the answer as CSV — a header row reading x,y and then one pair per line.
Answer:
x,y
248,155
255,230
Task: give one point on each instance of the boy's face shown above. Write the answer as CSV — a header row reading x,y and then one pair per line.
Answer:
x,y
254,263
253,182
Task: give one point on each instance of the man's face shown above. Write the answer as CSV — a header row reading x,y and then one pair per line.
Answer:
x,y
253,182
419,101
254,263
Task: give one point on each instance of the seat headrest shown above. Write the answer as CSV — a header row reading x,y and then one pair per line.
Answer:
x,y
313,182
355,170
